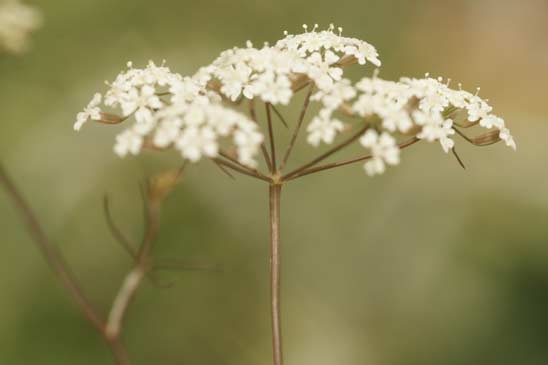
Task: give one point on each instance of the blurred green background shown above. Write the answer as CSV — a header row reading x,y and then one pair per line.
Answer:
x,y
428,264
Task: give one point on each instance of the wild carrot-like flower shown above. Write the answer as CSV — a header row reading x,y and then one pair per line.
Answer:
x,y
199,115
17,21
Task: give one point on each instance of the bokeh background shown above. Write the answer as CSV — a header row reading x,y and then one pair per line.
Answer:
x,y
429,264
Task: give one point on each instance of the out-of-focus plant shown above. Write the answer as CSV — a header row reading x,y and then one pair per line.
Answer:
x,y
110,326
17,21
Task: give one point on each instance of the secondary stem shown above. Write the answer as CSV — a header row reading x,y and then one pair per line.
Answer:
x,y
253,116
328,153
333,165
59,266
121,302
271,136
274,193
51,253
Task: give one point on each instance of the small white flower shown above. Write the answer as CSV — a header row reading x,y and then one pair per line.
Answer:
x,y
492,121
435,128
323,70
141,102
384,151
397,121
507,138
128,142
276,91
234,79
340,92
477,109
91,111
323,128
196,142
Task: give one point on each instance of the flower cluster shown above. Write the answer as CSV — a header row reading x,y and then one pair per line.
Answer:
x,y
189,113
192,119
424,107
17,20
265,73
195,129
270,73
312,43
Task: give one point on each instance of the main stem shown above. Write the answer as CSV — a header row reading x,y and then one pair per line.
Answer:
x,y
274,194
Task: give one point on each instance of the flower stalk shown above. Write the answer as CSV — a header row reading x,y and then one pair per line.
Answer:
x,y
275,190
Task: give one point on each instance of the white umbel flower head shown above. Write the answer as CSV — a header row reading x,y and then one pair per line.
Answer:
x,y
192,114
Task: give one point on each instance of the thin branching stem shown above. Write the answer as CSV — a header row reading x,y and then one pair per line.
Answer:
x,y
152,225
116,232
122,301
333,165
280,116
274,169
468,139
297,128
475,143
238,163
253,116
242,170
51,252
325,155
223,169
60,268
171,264
459,160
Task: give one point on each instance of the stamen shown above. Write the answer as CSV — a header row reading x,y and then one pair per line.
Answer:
x,y
427,74
286,33
478,91
249,44
448,82
305,27
460,86
129,64
340,31
315,27
331,27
